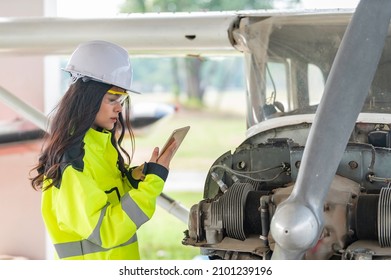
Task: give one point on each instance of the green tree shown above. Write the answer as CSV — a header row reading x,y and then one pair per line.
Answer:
x,y
194,66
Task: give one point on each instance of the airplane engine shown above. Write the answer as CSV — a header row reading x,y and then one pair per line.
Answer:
x,y
243,190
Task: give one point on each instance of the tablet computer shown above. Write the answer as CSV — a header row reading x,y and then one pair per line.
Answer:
x,y
178,135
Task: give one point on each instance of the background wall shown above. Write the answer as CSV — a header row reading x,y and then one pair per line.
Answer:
x,y
22,232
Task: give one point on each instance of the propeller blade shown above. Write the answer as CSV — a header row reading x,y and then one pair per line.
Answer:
x,y
298,221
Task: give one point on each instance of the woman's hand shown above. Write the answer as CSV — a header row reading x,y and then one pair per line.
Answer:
x,y
166,157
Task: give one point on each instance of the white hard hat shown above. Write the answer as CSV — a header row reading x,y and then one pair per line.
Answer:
x,y
101,61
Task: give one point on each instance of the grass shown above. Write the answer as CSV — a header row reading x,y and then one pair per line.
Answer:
x,y
213,132
161,237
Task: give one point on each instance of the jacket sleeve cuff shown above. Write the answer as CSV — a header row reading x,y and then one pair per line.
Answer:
x,y
157,169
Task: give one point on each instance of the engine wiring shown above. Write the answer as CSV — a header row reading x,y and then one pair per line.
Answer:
x,y
284,166
373,178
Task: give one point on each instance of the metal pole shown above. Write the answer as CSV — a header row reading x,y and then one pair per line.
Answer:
x,y
173,207
27,111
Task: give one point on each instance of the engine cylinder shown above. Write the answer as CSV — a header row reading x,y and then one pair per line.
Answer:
x,y
373,217
366,217
384,217
237,211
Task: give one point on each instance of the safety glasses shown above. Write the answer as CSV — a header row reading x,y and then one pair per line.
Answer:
x,y
123,96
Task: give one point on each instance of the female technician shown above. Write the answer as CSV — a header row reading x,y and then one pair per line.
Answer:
x,y
92,201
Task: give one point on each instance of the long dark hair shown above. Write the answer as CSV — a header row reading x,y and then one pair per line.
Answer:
x,y
73,117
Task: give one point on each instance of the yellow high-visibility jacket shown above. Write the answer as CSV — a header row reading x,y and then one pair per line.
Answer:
x,y
95,212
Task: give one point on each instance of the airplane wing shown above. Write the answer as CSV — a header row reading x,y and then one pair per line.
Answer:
x,y
141,34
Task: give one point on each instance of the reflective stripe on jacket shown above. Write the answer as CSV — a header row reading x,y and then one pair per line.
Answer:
x,y
94,212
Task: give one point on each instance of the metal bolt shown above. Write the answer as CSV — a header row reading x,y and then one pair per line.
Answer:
x,y
353,164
